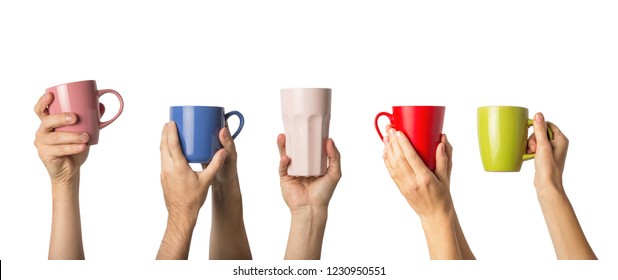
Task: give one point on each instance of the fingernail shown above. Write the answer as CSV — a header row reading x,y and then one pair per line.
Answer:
x,y
386,139
538,118
69,118
84,137
399,134
391,131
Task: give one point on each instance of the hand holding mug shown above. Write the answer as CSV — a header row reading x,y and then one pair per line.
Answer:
x,y
427,192
303,193
550,153
184,190
62,152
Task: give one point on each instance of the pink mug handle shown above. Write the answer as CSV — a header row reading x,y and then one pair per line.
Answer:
x,y
104,91
390,118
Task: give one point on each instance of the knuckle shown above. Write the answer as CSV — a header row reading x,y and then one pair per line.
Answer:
x,y
424,179
54,137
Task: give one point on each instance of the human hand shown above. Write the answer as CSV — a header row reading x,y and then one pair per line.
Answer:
x,y
427,193
304,193
184,190
550,155
227,177
62,153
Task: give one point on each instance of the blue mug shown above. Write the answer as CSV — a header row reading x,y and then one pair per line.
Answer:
x,y
198,130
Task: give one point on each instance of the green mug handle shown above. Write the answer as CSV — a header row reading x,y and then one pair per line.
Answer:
x,y
550,135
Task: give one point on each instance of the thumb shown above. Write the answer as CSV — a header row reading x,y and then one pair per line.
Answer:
x,y
441,163
207,175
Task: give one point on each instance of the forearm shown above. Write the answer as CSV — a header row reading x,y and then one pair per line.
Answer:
x,y
441,238
306,234
462,243
566,233
66,230
228,238
177,238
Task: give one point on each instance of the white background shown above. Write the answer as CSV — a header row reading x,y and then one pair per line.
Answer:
x,y
557,57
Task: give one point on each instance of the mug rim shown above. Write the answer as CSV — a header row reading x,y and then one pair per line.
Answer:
x,y
418,106
69,83
283,90
502,106
197,106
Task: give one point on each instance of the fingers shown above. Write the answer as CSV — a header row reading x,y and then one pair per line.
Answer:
x,y
173,144
50,122
334,159
397,162
57,151
41,106
449,153
531,146
442,162
101,109
560,144
284,160
557,133
60,138
540,132
227,141
206,176
414,160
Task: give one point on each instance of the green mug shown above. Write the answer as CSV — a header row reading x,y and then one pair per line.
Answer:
x,y
503,137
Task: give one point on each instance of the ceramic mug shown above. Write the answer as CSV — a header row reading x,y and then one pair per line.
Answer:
x,y
306,120
82,99
198,130
422,125
503,137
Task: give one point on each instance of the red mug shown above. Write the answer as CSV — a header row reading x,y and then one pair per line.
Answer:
x,y
423,127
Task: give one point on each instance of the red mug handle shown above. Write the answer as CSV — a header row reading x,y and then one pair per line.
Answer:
x,y
390,118
104,91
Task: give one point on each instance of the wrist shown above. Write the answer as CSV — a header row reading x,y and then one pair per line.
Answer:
x,y
438,220
315,215
66,187
226,189
549,191
182,216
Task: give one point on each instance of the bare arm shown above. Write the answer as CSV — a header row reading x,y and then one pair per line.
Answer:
x,y
228,237
184,191
177,238
427,193
308,199
566,233
62,153
66,230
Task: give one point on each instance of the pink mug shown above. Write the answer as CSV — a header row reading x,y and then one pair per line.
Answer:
x,y
82,99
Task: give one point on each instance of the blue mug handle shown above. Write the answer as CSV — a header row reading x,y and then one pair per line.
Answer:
x,y
240,118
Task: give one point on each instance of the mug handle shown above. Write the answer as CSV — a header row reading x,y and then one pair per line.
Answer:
x,y
104,91
240,124
390,119
550,135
